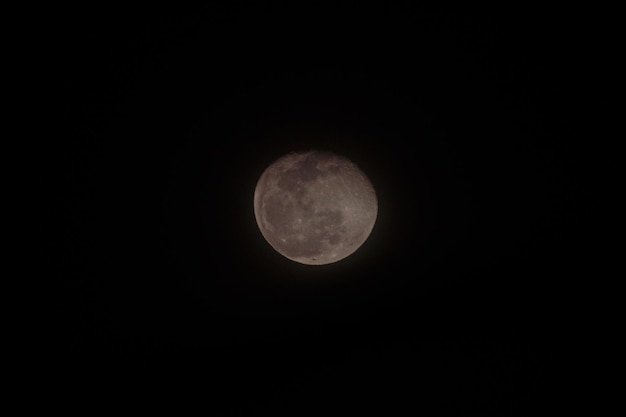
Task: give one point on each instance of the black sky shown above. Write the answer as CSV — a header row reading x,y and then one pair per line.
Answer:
x,y
170,295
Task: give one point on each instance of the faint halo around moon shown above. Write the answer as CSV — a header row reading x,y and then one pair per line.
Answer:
x,y
315,207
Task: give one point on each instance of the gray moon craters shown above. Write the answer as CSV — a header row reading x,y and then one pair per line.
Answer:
x,y
315,207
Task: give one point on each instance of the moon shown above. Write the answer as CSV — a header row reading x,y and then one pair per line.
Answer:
x,y
315,207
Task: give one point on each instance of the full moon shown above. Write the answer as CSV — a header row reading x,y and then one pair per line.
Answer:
x,y
315,207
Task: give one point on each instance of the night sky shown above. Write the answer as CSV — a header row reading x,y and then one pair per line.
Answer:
x,y
171,297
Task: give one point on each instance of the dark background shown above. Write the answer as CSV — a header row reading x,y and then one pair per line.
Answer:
x,y
456,305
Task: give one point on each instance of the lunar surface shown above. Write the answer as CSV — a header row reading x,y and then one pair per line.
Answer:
x,y
315,207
